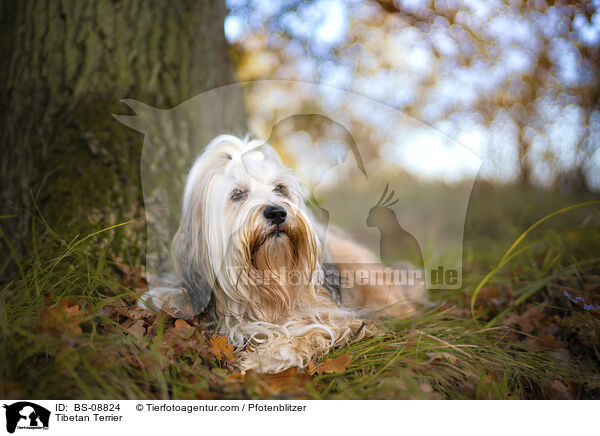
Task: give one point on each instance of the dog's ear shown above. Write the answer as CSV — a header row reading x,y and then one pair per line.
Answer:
x,y
199,291
186,266
332,281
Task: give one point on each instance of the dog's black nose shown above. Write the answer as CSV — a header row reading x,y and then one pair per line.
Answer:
x,y
275,214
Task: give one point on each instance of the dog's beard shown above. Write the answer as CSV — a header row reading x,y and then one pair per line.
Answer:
x,y
273,255
273,265
274,250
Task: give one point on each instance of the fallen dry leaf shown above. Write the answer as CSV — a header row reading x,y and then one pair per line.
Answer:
x,y
181,324
220,348
63,317
289,382
337,364
137,329
181,330
120,309
528,321
132,277
557,390
285,379
181,338
493,296
549,342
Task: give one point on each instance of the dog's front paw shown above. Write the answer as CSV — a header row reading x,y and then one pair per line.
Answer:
x,y
173,301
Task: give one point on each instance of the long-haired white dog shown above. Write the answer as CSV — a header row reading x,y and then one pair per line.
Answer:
x,y
247,240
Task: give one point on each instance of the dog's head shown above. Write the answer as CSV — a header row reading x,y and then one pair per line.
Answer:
x,y
245,230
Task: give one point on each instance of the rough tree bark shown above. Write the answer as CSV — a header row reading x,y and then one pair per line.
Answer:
x,y
65,66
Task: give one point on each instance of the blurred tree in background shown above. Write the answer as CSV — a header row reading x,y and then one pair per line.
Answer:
x,y
515,81
518,81
66,64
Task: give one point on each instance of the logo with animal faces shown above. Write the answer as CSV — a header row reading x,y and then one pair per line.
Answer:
x,y
25,415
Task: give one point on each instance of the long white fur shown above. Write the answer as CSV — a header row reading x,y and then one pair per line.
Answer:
x,y
212,245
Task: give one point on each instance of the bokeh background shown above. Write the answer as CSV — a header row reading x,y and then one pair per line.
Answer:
x,y
515,81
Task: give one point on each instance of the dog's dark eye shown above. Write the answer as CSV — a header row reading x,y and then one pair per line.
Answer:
x,y
281,189
237,195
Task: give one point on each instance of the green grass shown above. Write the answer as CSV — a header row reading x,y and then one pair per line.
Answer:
x,y
456,347
441,356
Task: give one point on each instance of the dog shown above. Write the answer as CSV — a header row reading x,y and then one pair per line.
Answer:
x,y
249,245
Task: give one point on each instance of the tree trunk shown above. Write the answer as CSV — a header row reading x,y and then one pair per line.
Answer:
x,y
67,65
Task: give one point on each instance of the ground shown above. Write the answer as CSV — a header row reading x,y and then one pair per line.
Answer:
x,y
69,327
